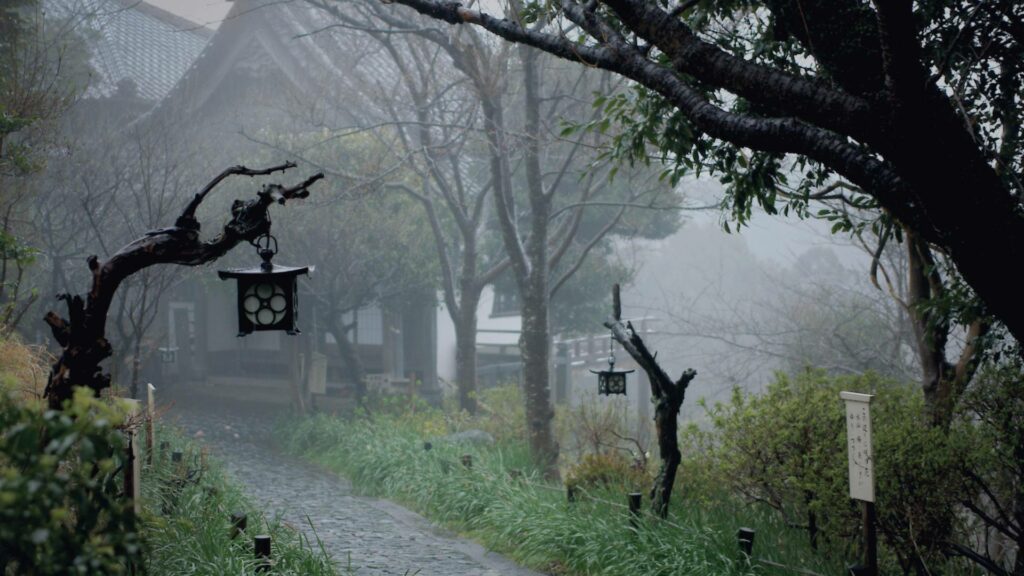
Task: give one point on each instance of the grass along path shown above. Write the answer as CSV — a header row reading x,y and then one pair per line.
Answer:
x,y
504,505
186,524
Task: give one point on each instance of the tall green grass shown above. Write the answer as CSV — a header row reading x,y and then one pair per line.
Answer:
x,y
186,528
502,502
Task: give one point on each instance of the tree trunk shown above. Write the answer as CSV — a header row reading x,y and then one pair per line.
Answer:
x,y
350,357
535,348
666,420
465,354
669,396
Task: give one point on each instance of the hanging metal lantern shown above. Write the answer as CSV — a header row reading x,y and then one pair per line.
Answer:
x,y
268,293
611,381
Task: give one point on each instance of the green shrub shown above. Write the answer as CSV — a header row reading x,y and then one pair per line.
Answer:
x,y
608,470
786,448
60,512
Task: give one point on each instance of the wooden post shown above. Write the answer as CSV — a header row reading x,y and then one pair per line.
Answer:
x,y
261,547
870,539
239,522
150,422
562,392
132,470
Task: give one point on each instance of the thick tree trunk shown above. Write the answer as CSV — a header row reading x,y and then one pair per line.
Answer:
x,y
535,349
465,354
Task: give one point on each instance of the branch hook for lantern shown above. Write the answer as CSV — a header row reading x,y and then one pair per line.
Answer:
x,y
266,247
611,351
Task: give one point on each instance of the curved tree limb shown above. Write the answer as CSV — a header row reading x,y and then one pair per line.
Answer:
x,y
83,335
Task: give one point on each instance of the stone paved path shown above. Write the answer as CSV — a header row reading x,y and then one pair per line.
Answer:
x,y
373,537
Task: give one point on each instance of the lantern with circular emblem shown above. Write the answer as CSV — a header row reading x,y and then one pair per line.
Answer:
x,y
268,293
611,381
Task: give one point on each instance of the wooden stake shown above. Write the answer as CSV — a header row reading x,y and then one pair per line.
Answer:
x,y
150,422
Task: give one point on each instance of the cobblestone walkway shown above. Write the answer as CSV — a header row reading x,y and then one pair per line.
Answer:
x,y
373,537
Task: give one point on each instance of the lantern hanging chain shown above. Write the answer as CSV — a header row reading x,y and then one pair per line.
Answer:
x,y
611,351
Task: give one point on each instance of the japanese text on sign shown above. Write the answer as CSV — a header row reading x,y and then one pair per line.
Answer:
x,y
858,445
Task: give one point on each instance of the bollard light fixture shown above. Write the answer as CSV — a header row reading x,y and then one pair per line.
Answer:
x,y
267,293
611,381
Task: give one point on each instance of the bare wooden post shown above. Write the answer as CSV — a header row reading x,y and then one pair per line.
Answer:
x,y
239,522
132,470
870,539
150,422
261,547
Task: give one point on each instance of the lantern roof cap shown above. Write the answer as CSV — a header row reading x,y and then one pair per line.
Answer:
x,y
259,269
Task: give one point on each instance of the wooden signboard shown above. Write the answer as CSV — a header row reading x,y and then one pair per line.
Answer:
x,y
858,445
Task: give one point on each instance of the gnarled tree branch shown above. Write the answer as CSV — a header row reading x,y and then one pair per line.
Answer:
x,y
83,335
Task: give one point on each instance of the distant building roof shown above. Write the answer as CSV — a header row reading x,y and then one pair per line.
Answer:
x,y
133,41
294,37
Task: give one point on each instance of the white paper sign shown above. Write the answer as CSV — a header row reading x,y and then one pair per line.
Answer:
x,y
858,445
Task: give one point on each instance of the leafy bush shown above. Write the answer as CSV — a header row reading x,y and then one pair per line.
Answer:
x,y
23,369
787,448
609,470
60,512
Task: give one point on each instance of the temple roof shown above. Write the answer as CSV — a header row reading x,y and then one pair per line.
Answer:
x,y
133,41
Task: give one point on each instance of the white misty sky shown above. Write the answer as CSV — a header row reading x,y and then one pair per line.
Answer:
x,y
206,12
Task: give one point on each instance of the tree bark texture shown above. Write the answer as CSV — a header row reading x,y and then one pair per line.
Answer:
x,y
82,335
668,396
465,353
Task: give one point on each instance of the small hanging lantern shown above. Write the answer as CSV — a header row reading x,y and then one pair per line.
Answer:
x,y
611,381
268,293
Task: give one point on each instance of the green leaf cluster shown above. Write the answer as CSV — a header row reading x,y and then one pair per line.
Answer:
x,y
60,508
786,448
